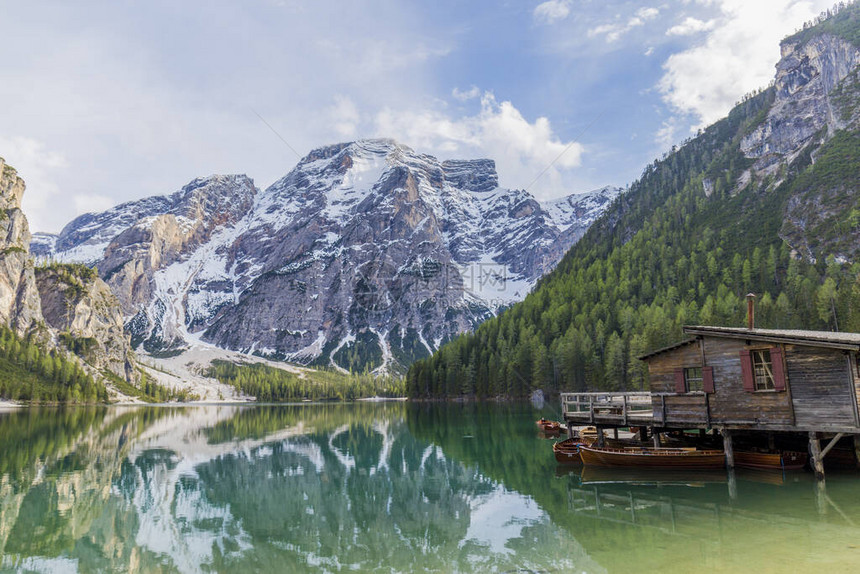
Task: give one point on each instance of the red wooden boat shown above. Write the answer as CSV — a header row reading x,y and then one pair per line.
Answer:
x,y
550,427
567,451
785,460
686,458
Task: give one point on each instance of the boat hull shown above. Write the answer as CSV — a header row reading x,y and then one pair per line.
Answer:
x,y
567,451
771,460
689,459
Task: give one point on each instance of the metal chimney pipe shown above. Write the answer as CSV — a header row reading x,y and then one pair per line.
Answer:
x,y
750,311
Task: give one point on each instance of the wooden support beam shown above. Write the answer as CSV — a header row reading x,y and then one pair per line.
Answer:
x,y
624,408
831,444
643,434
615,433
728,448
656,438
601,440
815,458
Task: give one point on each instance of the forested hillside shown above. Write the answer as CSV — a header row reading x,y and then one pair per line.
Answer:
x,y
690,238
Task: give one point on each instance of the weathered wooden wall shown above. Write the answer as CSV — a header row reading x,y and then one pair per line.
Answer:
x,y
730,403
661,368
821,386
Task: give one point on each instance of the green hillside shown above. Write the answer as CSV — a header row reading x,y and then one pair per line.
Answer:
x,y
682,246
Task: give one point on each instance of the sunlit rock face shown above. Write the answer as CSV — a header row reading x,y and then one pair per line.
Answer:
x,y
367,255
19,297
806,77
83,308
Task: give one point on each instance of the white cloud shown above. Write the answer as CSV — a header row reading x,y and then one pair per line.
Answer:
x,y
522,149
92,203
616,30
552,11
666,134
42,170
691,26
344,116
465,95
737,56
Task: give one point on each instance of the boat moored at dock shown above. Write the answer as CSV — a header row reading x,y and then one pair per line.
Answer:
x,y
685,458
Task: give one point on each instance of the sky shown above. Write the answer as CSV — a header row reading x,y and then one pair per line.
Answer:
x,y
105,102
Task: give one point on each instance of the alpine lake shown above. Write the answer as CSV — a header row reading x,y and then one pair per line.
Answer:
x,y
384,487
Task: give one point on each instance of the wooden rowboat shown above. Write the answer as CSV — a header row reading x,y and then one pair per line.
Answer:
x,y
786,460
550,427
567,451
686,458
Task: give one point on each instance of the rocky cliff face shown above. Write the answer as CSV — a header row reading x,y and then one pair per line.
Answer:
x,y
68,306
81,307
366,254
815,115
807,78
19,298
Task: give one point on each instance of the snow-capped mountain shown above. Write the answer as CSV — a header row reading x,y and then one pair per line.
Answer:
x,y
366,254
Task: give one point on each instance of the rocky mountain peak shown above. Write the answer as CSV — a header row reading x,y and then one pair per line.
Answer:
x,y
367,254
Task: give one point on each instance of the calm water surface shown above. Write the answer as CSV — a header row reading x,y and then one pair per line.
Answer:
x,y
382,487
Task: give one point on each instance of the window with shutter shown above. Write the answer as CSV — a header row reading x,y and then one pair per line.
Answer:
x,y
693,379
757,370
762,369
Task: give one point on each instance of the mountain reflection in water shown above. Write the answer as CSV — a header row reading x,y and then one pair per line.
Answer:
x,y
393,486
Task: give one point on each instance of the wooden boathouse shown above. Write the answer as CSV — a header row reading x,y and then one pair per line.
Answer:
x,y
738,380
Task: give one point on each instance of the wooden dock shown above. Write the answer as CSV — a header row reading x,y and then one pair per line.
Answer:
x,y
741,382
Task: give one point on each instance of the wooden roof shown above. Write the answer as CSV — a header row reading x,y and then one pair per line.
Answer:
x,y
828,339
665,349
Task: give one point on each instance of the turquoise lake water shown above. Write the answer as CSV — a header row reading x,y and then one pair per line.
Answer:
x,y
385,487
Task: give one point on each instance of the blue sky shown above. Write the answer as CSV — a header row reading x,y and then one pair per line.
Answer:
x,y
103,102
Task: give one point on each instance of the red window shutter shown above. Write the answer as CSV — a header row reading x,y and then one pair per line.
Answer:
x,y
708,379
747,370
778,368
680,383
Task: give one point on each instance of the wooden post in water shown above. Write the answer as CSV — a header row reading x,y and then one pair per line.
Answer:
x,y
727,447
820,496
601,441
615,433
815,458
732,484
656,438
857,449
643,433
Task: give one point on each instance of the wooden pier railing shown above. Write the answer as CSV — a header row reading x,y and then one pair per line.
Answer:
x,y
607,407
636,408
